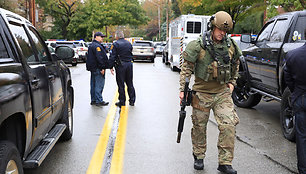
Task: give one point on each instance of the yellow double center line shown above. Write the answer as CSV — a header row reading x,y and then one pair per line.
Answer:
x,y
117,156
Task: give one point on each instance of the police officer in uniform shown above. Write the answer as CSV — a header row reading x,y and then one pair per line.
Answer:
x,y
214,58
96,63
122,58
295,79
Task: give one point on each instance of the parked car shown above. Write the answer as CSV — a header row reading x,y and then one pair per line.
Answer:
x,y
88,43
261,67
159,47
107,47
74,60
143,50
165,54
36,92
82,49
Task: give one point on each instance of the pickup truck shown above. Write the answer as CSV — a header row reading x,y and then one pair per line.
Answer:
x,y
261,66
36,95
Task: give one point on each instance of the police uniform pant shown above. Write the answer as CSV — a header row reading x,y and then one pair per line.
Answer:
x,y
97,81
124,74
226,117
299,108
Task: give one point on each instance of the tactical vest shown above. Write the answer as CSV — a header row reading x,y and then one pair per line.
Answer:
x,y
220,67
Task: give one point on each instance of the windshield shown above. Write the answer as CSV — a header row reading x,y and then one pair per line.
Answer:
x,y
143,44
80,44
71,45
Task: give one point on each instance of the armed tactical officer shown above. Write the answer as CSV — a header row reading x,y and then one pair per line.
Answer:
x,y
214,58
122,58
96,63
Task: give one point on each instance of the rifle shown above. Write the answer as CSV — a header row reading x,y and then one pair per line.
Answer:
x,y
185,102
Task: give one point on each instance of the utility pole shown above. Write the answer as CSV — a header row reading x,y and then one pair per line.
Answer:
x,y
32,11
167,20
158,6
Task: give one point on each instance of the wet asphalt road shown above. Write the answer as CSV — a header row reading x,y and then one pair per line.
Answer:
x,y
150,144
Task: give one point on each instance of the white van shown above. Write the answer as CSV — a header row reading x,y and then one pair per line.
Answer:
x,y
182,30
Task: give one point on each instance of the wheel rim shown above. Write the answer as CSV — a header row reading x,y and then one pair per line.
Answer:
x,y
288,121
241,94
11,167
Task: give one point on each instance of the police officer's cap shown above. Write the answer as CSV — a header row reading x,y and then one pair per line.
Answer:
x,y
99,34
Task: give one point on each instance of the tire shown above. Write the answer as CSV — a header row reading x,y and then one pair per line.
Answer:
x,y
10,158
287,118
152,60
67,118
164,59
172,68
242,97
74,64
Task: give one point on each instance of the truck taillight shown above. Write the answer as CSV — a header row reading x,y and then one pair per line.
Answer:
x,y
152,49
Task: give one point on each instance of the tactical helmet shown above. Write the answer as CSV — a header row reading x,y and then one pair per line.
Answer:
x,y
222,20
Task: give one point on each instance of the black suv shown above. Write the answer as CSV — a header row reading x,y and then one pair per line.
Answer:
x,y
261,68
36,95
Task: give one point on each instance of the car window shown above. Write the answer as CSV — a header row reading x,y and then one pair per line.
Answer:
x,y
3,50
78,44
146,44
69,44
23,40
193,27
264,35
42,52
300,29
279,30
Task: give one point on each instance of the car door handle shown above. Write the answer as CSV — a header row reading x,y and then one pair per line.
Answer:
x,y
35,82
259,51
51,77
274,51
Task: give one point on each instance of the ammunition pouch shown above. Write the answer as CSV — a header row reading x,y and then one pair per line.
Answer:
x,y
219,72
224,73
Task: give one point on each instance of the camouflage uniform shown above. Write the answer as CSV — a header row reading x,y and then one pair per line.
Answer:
x,y
212,93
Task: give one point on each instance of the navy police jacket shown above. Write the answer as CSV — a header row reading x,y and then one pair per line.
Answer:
x,y
294,71
96,57
122,49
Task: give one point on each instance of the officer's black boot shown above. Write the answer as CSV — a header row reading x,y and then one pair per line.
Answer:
x,y
198,163
227,169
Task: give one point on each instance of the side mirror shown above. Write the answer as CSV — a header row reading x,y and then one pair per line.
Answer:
x,y
64,52
53,45
246,38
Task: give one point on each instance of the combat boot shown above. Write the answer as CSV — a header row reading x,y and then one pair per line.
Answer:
x,y
198,163
227,169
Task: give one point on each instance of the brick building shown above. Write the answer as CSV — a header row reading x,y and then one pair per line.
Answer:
x,y
21,7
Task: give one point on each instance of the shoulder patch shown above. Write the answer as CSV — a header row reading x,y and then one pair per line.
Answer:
x,y
98,49
112,47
